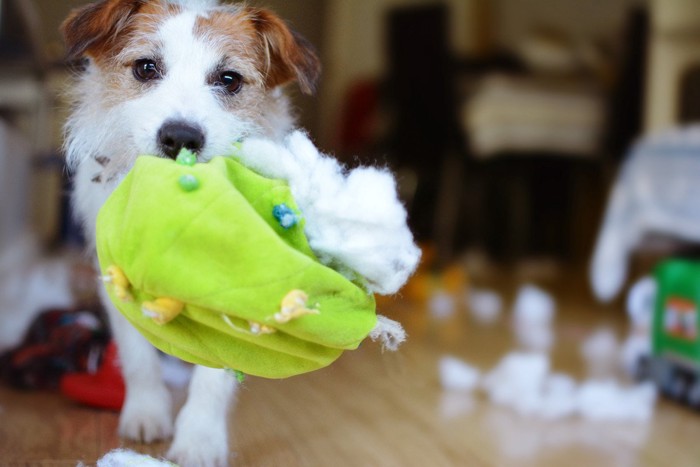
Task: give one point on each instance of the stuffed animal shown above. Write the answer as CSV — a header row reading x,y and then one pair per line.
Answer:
x,y
212,263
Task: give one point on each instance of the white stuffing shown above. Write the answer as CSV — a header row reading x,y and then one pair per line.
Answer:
x,y
640,302
389,333
442,305
354,220
522,382
517,382
558,397
607,400
632,351
125,457
640,309
533,307
600,352
457,375
533,313
485,305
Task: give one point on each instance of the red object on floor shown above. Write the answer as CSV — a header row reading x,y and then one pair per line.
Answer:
x,y
103,389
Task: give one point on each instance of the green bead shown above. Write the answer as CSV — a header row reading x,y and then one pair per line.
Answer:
x,y
186,157
188,182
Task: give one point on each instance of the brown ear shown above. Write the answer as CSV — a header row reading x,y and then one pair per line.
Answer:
x,y
97,26
289,56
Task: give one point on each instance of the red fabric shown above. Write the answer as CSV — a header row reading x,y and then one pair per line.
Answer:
x,y
103,389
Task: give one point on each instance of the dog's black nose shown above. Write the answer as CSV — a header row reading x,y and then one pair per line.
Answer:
x,y
175,135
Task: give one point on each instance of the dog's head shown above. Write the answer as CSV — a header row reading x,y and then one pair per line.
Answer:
x,y
159,75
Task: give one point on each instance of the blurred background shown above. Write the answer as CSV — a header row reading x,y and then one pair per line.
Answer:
x,y
507,122
505,119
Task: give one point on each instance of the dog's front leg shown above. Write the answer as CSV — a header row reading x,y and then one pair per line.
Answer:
x,y
201,430
147,412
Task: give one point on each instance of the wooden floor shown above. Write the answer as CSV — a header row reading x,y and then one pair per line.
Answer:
x,y
383,409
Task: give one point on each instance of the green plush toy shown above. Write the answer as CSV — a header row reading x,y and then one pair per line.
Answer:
x,y
210,262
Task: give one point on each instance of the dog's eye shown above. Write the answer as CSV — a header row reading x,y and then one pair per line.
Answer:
x,y
146,69
230,80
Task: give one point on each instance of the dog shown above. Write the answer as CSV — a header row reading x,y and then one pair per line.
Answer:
x,y
156,76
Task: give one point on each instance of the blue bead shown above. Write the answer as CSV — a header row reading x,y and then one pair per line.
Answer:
x,y
285,216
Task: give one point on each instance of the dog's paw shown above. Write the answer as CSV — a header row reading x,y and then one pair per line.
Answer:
x,y
388,332
199,443
147,415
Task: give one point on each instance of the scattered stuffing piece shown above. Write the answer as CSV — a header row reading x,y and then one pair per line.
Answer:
x,y
640,308
522,382
442,305
124,457
640,302
517,381
607,400
533,313
457,375
599,351
558,397
484,305
535,338
635,347
533,307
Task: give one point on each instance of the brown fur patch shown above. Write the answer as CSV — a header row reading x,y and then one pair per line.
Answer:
x,y
97,28
280,54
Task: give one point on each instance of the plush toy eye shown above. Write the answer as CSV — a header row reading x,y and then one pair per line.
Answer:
x,y
146,69
231,81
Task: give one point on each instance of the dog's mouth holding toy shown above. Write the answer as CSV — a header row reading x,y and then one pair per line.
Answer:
x,y
212,265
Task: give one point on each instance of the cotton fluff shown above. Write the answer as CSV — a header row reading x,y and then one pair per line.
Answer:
x,y
558,397
442,305
522,382
533,307
600,351
457,375
485,305
124,457
517,382
354,220
608,401
640,309
533,313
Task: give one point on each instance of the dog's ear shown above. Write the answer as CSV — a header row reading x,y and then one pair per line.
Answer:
x,y
288,56
97,26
